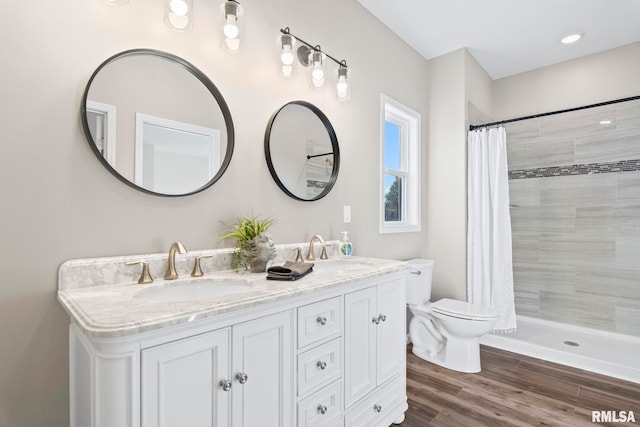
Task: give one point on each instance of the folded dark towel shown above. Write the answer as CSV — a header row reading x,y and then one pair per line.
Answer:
x,y
289,271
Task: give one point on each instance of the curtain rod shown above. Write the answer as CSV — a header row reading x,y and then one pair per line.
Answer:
x,y
535,116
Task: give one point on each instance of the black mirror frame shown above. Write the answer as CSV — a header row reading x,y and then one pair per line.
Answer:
x,y
197,74
334,145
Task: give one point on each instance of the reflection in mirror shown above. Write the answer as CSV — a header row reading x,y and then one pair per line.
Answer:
x,y
302,153
157,123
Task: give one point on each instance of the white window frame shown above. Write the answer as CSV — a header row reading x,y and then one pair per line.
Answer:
x,y
409,122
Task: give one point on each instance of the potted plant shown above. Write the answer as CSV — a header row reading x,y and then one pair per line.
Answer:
x,y
254,246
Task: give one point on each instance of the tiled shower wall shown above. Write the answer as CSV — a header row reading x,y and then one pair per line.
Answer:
x,y
575,195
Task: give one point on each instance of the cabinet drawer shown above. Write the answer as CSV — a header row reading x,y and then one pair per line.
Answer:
x,y
319,366
323,408
379,409
319,321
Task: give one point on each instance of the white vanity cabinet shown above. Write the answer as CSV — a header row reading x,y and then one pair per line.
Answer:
x,y
239,375
327,351
375,353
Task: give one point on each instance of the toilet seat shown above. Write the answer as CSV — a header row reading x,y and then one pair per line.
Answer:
x,y
458,309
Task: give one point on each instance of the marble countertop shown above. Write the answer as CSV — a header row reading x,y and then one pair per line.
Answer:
x,y
120,310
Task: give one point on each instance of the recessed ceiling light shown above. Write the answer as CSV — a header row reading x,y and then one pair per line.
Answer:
x,y
605,122
571,38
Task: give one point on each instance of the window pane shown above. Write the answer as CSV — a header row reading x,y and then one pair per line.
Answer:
x,y
393,198
391,146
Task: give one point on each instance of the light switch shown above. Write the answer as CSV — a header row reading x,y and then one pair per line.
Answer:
x,y
347,214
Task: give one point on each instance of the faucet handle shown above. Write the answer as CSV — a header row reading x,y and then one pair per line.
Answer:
x,y
197,270
299,255
145,277
323,255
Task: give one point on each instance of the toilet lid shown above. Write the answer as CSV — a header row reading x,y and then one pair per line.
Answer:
x,y
463,309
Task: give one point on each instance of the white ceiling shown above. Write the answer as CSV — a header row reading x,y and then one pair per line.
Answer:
x,y
510,36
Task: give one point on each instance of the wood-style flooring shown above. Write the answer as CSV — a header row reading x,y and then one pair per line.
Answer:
x,y
513,390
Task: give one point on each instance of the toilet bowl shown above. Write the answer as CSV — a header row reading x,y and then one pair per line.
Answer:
x,y
446,332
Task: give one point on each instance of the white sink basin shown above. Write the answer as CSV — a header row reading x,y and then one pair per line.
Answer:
x,y
340,265
195,290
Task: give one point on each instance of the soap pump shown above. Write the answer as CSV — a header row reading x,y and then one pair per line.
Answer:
x,y
346,248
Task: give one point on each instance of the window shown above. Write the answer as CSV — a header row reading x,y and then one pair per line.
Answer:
x,y
400,167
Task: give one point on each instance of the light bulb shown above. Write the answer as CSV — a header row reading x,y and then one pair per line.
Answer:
x,y
342,87
179,7
231,29
317,73
178,22
287,56
287,70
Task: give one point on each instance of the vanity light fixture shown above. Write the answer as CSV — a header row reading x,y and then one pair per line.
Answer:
x,y
179,14
314,57
232,25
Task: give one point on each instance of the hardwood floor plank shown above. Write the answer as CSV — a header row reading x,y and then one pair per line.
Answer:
x,y
512,390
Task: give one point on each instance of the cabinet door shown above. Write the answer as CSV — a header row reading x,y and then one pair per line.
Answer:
x,y
181,382
263,372
390,330
359,344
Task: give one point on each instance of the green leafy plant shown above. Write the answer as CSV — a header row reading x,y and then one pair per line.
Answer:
x,y
244,230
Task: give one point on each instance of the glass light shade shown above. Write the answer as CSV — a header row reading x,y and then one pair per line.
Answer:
x,y
316,60
179,14
342,86
232,26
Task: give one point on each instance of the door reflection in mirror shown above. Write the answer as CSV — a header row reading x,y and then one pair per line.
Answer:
x,y
174,157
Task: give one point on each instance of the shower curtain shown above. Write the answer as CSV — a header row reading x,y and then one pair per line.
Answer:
x,y
489,263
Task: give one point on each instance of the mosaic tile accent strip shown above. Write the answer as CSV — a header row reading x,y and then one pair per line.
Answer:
x,y
584,169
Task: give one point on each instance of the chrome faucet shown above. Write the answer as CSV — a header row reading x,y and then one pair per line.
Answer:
x,y
171,268
310,256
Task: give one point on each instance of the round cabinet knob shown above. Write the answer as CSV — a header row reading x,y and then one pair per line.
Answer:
x,y
376,320
322,409
242,377
322,365
377,408
322,320
225,385
382,317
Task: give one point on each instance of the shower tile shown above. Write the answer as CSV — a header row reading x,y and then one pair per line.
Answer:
x,y
543,219
627,317
579,190
608,282
628,255
582,310
524,192
578,249
527,302
544,151
609,146
628,217
578,123
534,276
597,219
628,185
525,246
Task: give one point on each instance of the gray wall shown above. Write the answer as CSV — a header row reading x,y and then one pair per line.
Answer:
x,y
59,203
576,229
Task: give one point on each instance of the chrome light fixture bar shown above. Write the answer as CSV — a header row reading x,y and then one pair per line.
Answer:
x,y
313,56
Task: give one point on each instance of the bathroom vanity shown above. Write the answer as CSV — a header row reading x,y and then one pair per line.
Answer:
x,y
232,349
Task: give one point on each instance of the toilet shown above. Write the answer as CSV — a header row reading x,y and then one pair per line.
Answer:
x,y
446,332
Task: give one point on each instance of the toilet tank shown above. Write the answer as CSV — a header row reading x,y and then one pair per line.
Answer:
x,y
419,280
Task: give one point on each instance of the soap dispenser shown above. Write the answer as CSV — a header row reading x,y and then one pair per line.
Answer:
x,y
346,248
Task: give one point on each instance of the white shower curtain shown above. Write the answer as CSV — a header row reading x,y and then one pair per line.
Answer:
x,y
489,263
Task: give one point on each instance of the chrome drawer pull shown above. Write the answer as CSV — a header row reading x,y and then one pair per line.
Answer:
x,y
377,408
225,385
417,272
242,377
322,320
322,409
376,320
322,365
382,317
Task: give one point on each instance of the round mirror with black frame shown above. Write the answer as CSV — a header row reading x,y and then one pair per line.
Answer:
x,y
302,153
157,123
